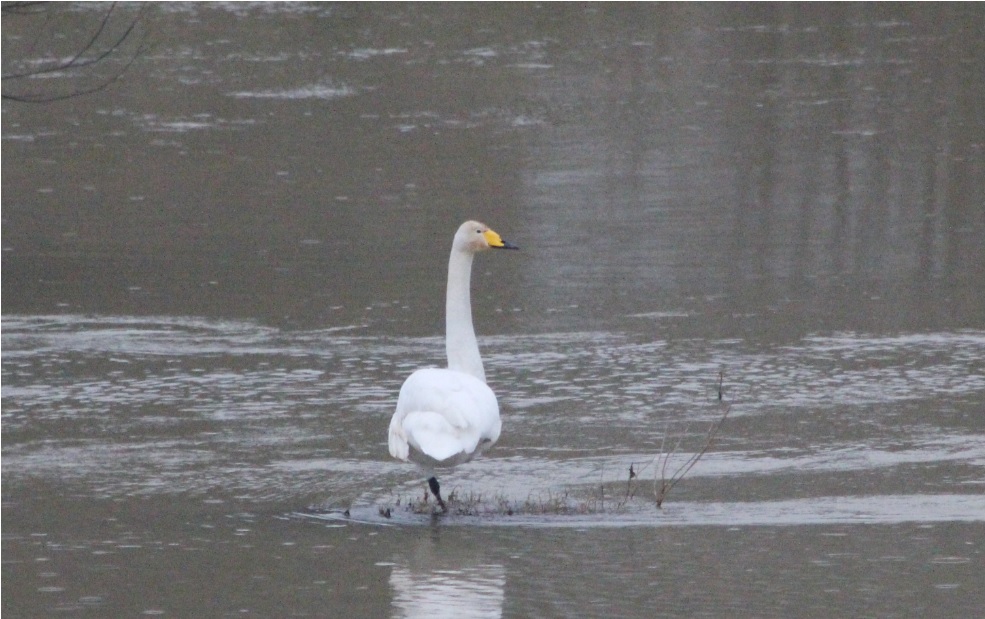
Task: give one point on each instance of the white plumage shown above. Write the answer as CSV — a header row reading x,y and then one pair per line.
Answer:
x,y
448,416
443,418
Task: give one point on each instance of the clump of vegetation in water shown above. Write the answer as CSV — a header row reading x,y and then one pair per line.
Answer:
x,y
473,504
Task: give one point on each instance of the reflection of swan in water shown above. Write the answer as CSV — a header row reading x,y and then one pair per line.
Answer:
x,y
468,593
434,585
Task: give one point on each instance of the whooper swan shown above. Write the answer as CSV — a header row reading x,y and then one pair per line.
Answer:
x,y
448,416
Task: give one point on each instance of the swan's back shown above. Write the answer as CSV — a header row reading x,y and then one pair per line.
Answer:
x,y
443,418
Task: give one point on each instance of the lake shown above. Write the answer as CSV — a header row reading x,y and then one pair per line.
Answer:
x,y
219,266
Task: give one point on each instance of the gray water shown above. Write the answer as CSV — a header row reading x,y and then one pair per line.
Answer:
x,y
218,271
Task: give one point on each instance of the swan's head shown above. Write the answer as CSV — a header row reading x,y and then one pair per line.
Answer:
x,y
473,237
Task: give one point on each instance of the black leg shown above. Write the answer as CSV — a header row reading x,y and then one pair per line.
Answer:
x,y
436,491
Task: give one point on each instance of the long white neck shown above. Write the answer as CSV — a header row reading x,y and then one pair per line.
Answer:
x,y
460,342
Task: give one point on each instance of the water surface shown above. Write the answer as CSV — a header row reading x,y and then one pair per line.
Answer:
x,y
218,271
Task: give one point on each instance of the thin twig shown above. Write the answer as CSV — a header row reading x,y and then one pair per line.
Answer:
x,y
77,62
665,485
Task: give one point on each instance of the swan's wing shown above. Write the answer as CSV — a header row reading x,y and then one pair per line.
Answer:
x,y
445,415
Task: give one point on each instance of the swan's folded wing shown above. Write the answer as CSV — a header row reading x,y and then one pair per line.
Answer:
x,y
444,414
463,400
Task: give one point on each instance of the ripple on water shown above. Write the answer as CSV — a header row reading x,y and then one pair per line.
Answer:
x,y
165,405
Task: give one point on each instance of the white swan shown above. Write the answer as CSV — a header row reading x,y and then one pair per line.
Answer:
x,y
448,416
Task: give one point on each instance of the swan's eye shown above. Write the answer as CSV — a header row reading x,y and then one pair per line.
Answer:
x,y
478,231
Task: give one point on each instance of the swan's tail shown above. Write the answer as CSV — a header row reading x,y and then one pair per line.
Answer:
x,y
426,437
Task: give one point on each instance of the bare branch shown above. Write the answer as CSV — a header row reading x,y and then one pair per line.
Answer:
x,y
106,83
76,61
81,59
666,485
